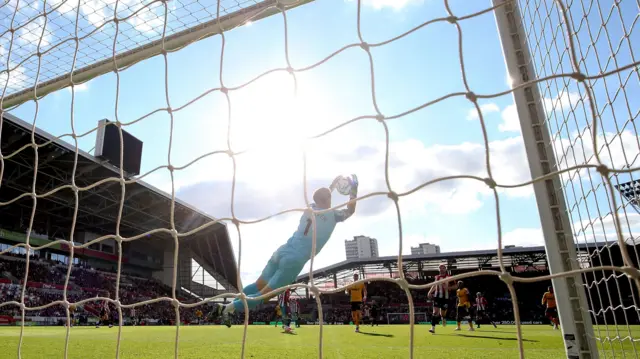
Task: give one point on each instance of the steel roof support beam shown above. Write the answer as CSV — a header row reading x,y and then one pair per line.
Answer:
x,y
64,177
82,209
50,213
14,138
224,268
92,192
41,164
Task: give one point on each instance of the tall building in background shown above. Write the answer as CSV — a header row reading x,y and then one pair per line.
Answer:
x,y
361,247
425,248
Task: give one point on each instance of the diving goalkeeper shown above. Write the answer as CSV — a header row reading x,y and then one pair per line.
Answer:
x,y
288,260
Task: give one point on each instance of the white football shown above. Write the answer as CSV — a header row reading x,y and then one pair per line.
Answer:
x,y
343,185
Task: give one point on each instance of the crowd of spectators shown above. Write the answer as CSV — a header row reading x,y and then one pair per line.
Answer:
x,y
45,283
87,283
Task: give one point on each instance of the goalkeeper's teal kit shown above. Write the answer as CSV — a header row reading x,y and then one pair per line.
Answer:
x,y
288,260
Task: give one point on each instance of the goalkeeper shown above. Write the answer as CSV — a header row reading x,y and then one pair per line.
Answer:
x,y
288,260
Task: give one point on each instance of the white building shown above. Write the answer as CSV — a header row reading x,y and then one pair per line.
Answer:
x,y
425,248
361,247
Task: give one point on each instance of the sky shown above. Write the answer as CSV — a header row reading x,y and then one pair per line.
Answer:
x,y
274,116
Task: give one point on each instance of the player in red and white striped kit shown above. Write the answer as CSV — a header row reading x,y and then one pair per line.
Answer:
x,y
481,309
283,302
105,317
440,295
294,308
134,319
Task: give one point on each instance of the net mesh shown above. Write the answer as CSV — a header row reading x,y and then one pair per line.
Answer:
x,y
583,55
84,31
603,36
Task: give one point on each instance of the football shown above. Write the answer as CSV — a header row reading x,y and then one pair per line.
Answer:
x,y
343,185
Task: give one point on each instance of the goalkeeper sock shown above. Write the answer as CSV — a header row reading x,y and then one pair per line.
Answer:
x,y
251,303
251,289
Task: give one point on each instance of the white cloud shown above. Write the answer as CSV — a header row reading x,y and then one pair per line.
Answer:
x,y
523,237
486,109
616,150
602,229
267,184
79,87
23,10
64,7
32,34
392,4
268,176
25,43
586,231
149,19
563,101
510,120
96,12
16,79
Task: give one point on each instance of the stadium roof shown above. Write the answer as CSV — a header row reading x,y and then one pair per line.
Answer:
x,y
468,259
145,207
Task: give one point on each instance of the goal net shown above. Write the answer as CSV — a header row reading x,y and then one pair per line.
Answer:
x,y
589,117
573,77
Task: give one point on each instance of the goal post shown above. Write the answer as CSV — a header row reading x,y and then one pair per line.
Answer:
x,y
576,324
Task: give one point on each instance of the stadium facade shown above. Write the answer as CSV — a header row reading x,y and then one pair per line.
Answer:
x,y
519,261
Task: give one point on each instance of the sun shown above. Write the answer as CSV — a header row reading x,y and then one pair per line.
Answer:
x,y
272,122
264,114
268,122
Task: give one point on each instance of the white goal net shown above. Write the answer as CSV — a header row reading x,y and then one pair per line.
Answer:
x,y
590,117
573,75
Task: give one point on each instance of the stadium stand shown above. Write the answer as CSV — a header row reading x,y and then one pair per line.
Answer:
x,y
147,263
145,208
46,278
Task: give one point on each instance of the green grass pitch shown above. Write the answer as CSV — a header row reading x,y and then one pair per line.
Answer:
x,y
540,341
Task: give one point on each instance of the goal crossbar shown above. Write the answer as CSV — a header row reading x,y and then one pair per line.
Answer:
x,y
169,43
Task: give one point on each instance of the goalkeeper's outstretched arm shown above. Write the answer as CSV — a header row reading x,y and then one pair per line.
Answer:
x,y
342,215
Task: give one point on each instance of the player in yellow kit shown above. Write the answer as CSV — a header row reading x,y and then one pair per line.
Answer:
x,y
358,294
72,312
278,314
551,312
464,305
